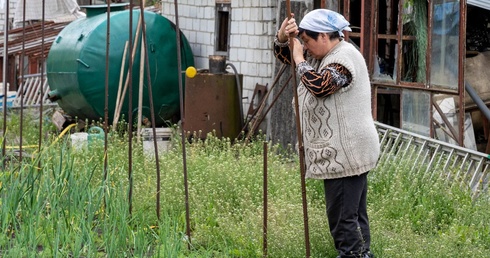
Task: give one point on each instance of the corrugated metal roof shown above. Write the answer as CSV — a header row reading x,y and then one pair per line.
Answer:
x,y
54,10
33,35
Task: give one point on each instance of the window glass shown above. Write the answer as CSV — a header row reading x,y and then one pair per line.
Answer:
x,y
445,44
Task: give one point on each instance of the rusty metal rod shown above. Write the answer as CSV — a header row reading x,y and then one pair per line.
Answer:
x,y
264,243
4,72
446,121
259,110
152,112
264,99
106,88
41,118
182,119
262,117
300,140
461,66
130,110
21,65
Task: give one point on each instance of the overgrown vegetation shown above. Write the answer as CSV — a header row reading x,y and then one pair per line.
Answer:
x,y
56,204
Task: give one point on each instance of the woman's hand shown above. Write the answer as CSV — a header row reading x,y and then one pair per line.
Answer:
x,y
289,28
298,51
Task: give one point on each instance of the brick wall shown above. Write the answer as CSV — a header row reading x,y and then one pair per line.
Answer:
x,y
251,33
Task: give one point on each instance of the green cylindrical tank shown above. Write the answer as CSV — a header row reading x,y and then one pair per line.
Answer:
x,y
76,65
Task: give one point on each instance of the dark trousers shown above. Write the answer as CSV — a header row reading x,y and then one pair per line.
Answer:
x,y
347,214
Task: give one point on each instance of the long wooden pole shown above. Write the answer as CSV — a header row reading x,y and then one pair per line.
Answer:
x,y
126,84
140,89
121,79
300,140
142,75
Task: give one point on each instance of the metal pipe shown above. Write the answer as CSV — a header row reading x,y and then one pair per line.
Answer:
x,y
478,101
239,90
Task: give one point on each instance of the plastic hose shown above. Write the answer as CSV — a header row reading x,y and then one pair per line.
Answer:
x,y
239,89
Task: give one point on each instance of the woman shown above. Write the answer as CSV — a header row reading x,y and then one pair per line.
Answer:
x,y
340,140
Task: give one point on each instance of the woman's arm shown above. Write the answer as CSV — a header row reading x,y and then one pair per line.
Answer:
x,y
281,50
288,29
330,79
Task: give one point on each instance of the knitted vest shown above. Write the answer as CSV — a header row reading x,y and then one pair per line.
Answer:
x,y
339,135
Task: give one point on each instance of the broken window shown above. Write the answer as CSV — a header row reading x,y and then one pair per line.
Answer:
x,y
414,51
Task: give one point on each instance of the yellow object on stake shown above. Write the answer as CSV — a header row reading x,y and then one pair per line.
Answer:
x,y
190,71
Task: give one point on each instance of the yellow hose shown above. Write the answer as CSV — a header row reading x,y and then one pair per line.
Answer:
x,y
35,146
18,147
63,133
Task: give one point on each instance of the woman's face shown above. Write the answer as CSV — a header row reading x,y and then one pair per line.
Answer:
x,y
316,48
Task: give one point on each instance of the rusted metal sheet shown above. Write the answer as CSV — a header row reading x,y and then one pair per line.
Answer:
x,y
32,38
211,105
34,42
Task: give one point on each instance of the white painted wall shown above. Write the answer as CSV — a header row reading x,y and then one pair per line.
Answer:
x,y
252,28
12,5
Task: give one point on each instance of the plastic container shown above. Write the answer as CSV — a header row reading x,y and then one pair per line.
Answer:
x,y
95,136
11,95
79,141
163,137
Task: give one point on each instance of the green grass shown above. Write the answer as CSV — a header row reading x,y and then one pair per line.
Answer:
x,y
64,208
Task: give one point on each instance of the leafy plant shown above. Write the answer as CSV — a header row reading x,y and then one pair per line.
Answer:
x,y
57,203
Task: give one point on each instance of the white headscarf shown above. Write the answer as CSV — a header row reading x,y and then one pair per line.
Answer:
x,y
325,21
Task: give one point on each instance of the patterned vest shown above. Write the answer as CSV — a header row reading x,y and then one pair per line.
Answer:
x,y
339,135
